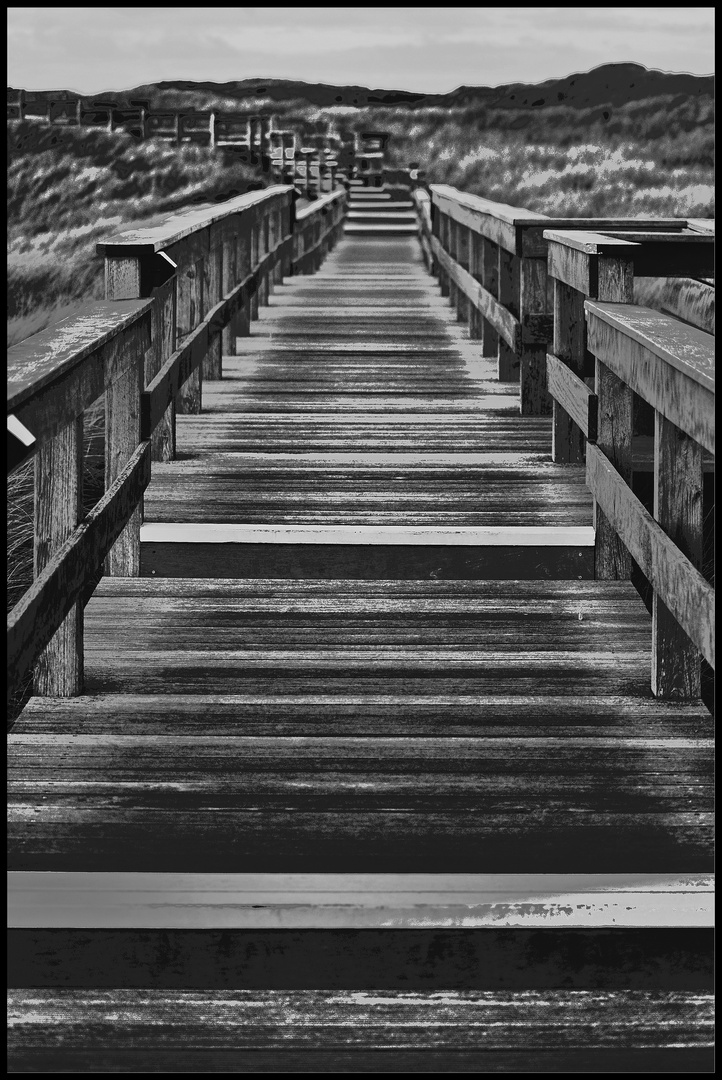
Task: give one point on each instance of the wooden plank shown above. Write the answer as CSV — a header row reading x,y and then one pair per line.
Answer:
x,y
678,502
355,900
537,331
212,291
48,408
353,1020
177,226
568,443
122,435
59,585
573,395
655,1060
162,432
190,304
534,244
614,438
686,348
495,221
437,961
680,585
676,382
216,533
58,509
509,362
589,243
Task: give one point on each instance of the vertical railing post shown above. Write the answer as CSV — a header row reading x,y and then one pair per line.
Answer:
x,y
676,669
451,247
189,313
122,418
462,257
475,316
490,280
58,511
569,342
443,236
509,285
255,248
212,291
535,399
163,339
212,130
229,281
615,417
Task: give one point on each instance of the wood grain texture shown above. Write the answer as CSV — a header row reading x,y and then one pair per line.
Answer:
x,y
653,959
573,396
678,509
497,803
680,585
58,508
614,438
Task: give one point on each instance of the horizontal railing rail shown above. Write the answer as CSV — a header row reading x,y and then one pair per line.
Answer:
x,y
670,366
54,377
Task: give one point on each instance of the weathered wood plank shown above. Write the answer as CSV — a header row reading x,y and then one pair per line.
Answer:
x,y
681,587
122,436
35,619
614,438
58,509
681,391
568,444
358,900
573,395
537,332
428,961
51,383
178,226
678,509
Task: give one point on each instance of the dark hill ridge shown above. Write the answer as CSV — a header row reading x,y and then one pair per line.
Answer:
x,y
610,84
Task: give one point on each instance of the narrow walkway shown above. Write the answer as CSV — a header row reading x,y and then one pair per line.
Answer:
x,y
470,706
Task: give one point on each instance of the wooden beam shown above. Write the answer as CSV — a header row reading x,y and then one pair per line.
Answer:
x,y
502,321
678,500
679,584
58,509
667,363
35,619
573,395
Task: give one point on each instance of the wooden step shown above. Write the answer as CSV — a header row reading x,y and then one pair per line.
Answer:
x,y
313,901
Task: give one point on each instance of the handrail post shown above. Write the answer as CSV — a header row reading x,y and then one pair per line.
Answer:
x,y
122,419
676,671
189,313
58,511
489,269
475,316
615,420
212,294
231,276
509,284
535,399
569,341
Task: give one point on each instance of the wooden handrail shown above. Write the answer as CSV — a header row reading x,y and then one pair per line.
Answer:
x,y
671,367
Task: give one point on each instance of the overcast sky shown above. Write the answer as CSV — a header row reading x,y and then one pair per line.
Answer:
x,y
432,49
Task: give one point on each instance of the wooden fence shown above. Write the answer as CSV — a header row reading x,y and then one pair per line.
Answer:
x,y
255,139
177,297
524,284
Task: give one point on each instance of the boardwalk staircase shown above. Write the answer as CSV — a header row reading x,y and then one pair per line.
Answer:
x,y
355,759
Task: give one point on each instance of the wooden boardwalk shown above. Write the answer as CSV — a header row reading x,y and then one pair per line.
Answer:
x,y
366,640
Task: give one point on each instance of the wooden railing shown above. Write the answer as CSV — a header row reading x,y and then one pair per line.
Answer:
x,y
317,230
177,297
254,138
671,367
587,265
492,263
53,377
